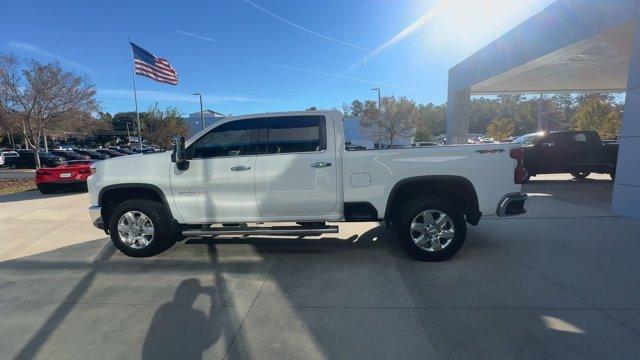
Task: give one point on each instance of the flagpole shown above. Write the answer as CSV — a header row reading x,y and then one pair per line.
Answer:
x,y
135,94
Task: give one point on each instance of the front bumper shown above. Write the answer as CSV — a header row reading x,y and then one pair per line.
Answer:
x,y
96,216
512,204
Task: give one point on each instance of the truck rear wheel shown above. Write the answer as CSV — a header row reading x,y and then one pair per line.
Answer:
x,y
141,228
580,175
431,229
527,176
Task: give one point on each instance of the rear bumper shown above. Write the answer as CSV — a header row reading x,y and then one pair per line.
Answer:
x,y
512,204
61,181
96,216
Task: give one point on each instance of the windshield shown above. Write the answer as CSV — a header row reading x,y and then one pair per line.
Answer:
x,y
528,139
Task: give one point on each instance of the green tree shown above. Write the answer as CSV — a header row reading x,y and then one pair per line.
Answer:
x,y
422,135
599,114
431,119
162,126
500,129
357,108
566,103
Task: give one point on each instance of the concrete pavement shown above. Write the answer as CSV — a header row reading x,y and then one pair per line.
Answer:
x,y
558,283
32,223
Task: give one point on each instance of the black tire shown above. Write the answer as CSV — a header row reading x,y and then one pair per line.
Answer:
x,y
581,175
163,236
46,189
416,206
527,176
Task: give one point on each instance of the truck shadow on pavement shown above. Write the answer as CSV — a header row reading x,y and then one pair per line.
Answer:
x,y
177,328
205,298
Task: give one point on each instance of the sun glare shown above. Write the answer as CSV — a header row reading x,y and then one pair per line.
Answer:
x,y
464,26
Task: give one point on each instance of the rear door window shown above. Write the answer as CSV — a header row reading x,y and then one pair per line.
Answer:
x,y
293,134
580,137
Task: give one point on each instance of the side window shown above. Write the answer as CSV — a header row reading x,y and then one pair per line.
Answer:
x,y
529,140
555,139
580,137
293,134
236,138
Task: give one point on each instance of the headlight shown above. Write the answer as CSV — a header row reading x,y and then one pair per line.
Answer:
x,y
93,170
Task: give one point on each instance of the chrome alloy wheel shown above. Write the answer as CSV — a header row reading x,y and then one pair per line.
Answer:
x,y
432,230
135,229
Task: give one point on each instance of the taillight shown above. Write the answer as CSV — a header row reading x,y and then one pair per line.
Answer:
x,y
44,172
84,171
519,173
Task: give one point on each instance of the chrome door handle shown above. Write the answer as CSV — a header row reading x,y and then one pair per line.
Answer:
x,y
320,164
240,168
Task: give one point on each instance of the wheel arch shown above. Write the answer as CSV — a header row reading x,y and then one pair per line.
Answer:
x,y
454,188
112,195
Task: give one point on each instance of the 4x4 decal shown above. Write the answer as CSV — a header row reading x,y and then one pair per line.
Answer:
x,y
491,151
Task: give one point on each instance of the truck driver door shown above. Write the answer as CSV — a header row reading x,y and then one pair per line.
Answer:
x,y
218,184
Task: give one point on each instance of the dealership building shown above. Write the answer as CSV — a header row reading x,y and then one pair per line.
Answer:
x,y
572,46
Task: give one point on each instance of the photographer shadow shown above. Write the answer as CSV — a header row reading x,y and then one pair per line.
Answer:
x,y
180,331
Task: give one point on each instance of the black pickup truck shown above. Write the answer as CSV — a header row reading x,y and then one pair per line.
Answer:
x,y
579,153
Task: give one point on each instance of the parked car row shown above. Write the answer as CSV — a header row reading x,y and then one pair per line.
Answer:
x,y
18,158
66,167
27,159
8,158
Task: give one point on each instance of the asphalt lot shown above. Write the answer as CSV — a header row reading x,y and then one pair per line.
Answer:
x,y
560,282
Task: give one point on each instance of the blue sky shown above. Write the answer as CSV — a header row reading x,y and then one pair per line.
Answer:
x,y
250,56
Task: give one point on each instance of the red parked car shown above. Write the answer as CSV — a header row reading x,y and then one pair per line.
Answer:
x,y
71,174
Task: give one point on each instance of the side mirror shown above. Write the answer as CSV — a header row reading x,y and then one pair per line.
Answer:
x,y
178,155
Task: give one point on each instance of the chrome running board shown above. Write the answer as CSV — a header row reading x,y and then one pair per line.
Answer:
x,y
273,230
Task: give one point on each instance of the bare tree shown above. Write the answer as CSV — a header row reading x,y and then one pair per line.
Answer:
x,y
40,95
397,119
371,121
8,127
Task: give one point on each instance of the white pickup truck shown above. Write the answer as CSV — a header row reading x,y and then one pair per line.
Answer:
x,y
245,171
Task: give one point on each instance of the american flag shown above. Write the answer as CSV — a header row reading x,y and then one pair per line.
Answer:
x,y
153,67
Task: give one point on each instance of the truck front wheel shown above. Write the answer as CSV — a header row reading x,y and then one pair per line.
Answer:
x,y
140,228
432,229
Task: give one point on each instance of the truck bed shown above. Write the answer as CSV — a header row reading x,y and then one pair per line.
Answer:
x,y
371,174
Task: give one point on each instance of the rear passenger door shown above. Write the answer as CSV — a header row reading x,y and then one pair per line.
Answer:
x,y
585,149
296,170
